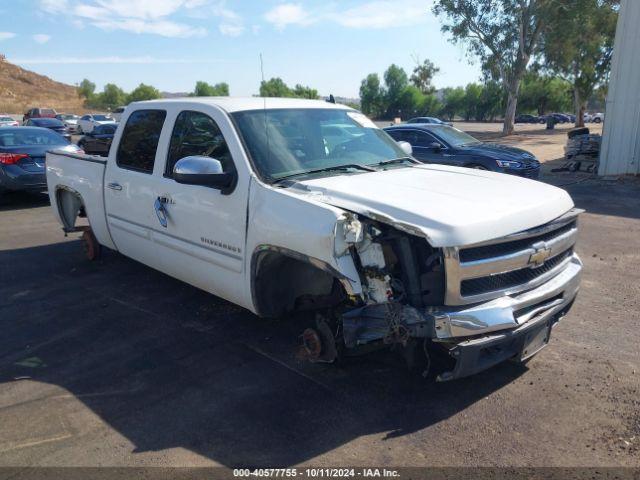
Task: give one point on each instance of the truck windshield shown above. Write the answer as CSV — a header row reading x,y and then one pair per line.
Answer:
x,y
286,142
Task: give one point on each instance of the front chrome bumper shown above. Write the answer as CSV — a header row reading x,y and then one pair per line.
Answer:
x,y
476,337
510,311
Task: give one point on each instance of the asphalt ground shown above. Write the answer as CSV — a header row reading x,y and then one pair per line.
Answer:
x,y
110,363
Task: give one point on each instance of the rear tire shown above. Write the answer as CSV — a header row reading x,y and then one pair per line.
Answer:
x,y
597,120
90,245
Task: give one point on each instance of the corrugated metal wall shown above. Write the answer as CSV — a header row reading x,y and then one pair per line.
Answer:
x,y
621,135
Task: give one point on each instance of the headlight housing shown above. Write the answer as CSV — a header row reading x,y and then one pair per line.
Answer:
x,y
508,164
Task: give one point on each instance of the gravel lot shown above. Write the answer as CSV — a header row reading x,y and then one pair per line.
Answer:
x,y
112,363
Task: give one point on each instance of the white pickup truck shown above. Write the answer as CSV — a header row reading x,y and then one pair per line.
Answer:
x,y
283,205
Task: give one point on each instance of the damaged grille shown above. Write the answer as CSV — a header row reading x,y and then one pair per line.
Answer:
x,y
495,249
511,264
510,279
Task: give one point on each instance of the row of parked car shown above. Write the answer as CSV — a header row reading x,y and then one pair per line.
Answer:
x,y
23,147
559,118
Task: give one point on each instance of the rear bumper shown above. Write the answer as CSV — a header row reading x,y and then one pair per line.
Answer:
x,y
12,177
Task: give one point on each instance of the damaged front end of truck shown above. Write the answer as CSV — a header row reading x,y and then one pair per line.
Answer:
x,y
477,304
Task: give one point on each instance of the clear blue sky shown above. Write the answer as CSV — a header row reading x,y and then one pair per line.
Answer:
x,y
328,45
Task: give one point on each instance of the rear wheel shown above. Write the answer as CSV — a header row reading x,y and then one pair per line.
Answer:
x,y
597,120
90,245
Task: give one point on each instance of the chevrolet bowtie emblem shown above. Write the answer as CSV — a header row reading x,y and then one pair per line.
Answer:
x,y
538,258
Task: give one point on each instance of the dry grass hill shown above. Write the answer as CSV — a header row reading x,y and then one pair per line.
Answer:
x,y
22,89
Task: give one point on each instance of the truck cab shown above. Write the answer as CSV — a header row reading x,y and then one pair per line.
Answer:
x,y
285,205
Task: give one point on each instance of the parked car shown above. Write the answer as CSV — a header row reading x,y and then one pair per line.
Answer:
x,y
22,157
432,120
597,118
98,141
526,118
89,122
561,118
50,123
117,113
587,117
70,121
244,199
39,113
571,116
7,121
449,146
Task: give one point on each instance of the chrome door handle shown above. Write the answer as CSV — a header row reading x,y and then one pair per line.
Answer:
x,y
114,186
161,211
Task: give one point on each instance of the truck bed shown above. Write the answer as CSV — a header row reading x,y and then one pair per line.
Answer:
x,y
76,184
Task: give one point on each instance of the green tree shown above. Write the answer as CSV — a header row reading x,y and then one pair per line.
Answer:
x,y
372,99
471,103
423,74
396,81
492,101
453,103
112,97
86,89
203,89
542,94
502,33
274,87
578,44
143,92
302,91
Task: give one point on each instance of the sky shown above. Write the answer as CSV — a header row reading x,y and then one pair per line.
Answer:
x,y
171,44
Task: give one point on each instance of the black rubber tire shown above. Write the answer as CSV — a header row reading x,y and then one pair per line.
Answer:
x,y
597,120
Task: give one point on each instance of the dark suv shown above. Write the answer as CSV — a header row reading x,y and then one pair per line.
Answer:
x,y
39,113
450,146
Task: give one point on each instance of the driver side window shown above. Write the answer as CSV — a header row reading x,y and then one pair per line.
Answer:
x,y
196,133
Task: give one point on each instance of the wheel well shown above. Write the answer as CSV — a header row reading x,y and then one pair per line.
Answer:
x,y
286,282
70,207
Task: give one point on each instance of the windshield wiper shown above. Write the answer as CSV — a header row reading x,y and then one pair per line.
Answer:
x,y
394,160
335,168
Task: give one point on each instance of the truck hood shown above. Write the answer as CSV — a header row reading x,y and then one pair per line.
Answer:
x,y
450,206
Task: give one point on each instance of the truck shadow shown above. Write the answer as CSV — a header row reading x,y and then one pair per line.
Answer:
x,y
166,365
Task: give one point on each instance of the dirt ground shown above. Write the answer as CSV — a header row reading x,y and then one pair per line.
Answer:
x,y
111,363
546,145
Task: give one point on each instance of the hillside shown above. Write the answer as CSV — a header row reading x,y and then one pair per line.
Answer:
x,y
22,89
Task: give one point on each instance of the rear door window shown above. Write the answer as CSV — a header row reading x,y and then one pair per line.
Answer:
x,y
139,141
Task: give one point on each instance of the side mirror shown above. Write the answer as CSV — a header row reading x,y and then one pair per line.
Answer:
x,y
435,146
406,147
201,170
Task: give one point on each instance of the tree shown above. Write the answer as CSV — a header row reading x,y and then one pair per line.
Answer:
x,y
111,97
453,102
203,89
86,89
423,75
471,101
577,43
541,94
492,101
395,80
372,99
143,92
502,33
301,91
274,87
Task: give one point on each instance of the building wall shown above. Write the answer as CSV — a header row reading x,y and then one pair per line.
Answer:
x,y
620,153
